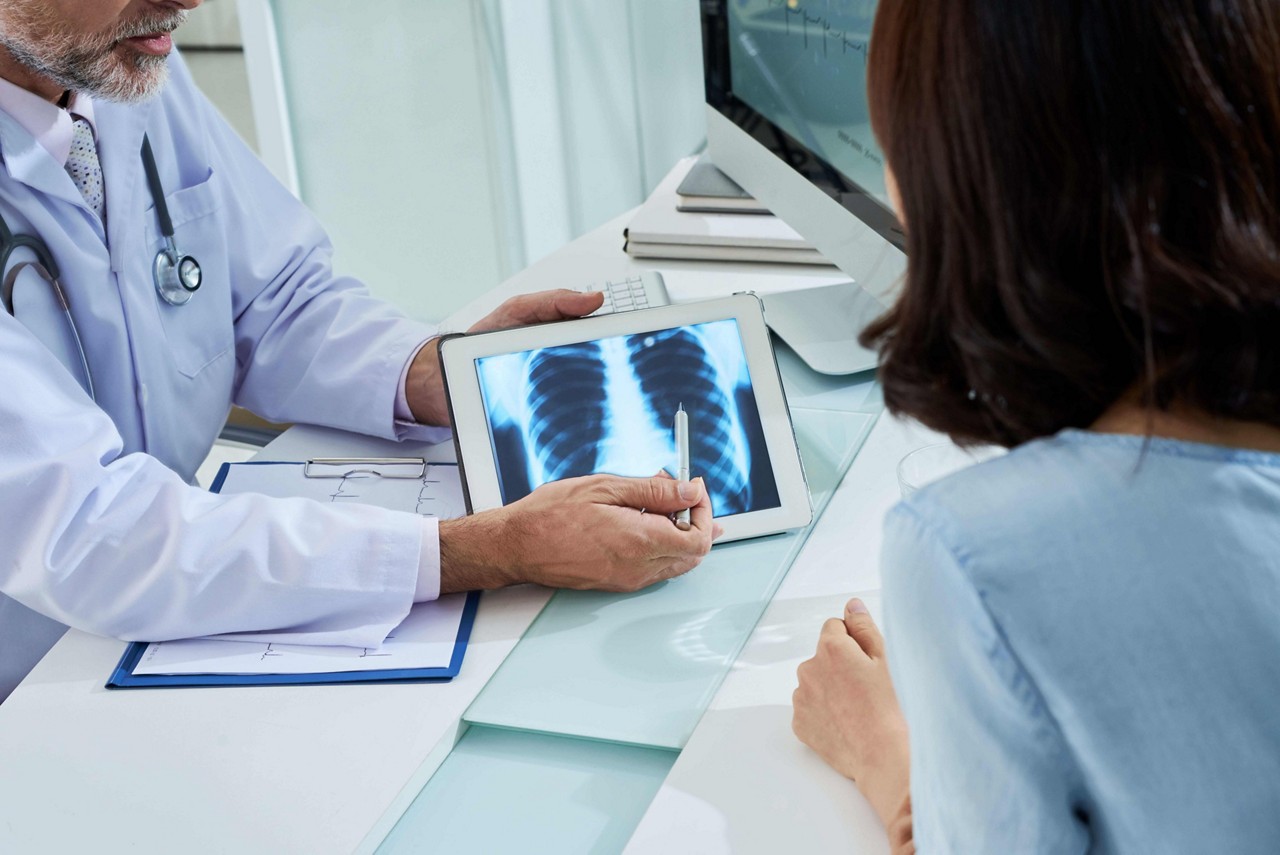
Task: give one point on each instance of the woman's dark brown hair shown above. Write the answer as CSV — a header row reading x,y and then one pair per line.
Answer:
x,y
1090,194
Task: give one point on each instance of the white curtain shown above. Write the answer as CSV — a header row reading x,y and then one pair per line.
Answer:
x,y
603,97
447,145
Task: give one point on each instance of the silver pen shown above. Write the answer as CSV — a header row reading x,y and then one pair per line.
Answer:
x,y
682,452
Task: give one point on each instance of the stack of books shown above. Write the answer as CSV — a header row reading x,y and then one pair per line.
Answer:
x,y
697,212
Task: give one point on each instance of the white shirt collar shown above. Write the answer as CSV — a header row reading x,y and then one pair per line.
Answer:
x,y
51,125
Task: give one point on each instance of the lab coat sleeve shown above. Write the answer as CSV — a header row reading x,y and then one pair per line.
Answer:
x,y
119,545
311,346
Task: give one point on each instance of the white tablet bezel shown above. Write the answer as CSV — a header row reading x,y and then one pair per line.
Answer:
x,y
458,355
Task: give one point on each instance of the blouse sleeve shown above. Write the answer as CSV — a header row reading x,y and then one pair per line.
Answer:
x,y
990,770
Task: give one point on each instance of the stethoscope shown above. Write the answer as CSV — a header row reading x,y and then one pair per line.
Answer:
x,y
176,276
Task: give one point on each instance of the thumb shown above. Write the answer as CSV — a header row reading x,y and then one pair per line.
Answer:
x,y
862,629
575,304
537,308
658,495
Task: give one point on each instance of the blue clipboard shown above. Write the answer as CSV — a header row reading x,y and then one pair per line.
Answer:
x,y
124,678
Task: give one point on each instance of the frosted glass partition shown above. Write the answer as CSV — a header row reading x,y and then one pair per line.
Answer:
x,y
390,109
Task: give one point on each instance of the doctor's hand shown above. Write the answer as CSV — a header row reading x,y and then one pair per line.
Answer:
x,y
539,308
425,385
599,532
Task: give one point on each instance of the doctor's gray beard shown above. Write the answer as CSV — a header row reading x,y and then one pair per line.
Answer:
x,y
88,63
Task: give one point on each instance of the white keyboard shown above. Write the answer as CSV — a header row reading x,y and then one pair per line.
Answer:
x,y
644,291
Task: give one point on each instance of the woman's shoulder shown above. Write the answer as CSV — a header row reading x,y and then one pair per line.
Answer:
x,y
1038,481
1078,490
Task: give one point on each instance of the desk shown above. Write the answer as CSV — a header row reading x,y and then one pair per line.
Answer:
x,y
744,783
331,769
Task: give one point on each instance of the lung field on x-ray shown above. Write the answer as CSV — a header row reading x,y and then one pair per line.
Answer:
x,y
608,406
557,434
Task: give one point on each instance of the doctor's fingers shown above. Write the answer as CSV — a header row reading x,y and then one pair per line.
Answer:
x,y
664,541
657,568
701,519
665,500
698,518
670,569
539,308
657,495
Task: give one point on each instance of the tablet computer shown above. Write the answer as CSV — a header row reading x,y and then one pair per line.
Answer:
x,y
599,395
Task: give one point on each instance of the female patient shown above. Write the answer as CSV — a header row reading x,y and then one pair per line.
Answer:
x,y
1084,634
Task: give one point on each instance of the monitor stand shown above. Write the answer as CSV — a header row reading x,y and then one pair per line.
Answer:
x,y
822,324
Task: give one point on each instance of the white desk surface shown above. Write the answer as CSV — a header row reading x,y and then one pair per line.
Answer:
x,y
327,769
744,783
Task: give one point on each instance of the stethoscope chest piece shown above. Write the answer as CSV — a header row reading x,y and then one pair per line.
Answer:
x,y
177,276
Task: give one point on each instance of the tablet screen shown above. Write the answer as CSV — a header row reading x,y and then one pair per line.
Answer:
x,y
608,406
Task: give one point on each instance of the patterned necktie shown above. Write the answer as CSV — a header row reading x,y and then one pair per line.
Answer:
x,y
84,168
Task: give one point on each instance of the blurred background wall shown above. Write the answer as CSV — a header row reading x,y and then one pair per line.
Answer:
x,y
446,144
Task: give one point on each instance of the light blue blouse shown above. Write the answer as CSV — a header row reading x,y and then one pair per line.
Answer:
x,y
1085,638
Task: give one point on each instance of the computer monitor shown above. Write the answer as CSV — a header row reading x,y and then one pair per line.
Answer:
x,y
787,119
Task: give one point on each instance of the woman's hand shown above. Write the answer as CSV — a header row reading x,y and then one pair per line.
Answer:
x,y
846,710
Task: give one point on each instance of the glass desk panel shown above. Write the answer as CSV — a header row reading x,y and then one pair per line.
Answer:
x,y
641,668
500,791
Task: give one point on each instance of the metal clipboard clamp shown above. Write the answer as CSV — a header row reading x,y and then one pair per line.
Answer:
x,y
381,467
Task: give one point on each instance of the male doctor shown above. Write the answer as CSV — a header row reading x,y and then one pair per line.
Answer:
x,y
99,525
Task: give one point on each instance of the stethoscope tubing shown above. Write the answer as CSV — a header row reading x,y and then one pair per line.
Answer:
x,y
6,291
169,260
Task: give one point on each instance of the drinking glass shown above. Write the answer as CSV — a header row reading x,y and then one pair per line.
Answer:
x,y
928,464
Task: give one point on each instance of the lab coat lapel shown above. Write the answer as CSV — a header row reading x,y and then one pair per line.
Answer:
x,y
27,162
120,131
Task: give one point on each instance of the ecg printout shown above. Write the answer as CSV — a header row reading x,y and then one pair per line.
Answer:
x,y
425,639
438,493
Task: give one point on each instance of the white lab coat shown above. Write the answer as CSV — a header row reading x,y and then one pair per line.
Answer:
x,y
99,528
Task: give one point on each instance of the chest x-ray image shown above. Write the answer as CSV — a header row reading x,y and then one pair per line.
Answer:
x,y
608,406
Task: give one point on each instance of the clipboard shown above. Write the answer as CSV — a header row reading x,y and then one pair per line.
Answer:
x,y
284,476
124,677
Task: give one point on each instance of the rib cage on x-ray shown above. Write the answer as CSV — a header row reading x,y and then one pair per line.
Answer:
x,y
565,396
674,369
577,398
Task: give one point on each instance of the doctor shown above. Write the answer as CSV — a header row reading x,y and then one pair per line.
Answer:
x,y
107,410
